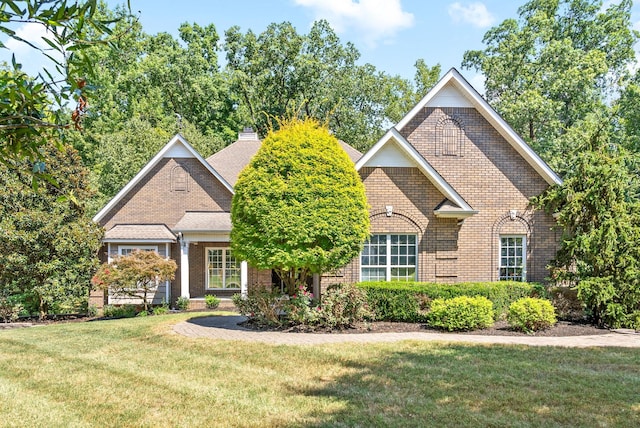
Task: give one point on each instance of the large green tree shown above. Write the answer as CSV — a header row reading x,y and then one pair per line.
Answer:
x,y
281,72
48,245
598,212
299,206
560,60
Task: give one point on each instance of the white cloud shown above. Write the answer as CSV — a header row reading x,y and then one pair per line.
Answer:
x,y
475,14
31,32
375,20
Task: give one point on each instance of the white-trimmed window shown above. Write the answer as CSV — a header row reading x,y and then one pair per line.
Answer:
x,y
123,250
223,269
389,258
513,257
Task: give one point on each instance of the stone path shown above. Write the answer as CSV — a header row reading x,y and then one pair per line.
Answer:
x,y
227,328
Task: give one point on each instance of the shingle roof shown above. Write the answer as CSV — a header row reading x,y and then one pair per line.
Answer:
x,y
139,232
233,158
230,161
201,221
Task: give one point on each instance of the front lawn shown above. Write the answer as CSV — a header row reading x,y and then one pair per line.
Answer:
x,y
136,372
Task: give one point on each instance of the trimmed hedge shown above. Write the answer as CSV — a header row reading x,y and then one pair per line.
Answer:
x,y
410,301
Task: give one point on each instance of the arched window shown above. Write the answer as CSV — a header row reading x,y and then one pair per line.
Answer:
x,y
179,179
450,138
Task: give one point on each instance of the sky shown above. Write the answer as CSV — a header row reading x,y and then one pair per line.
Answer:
x,y
390,34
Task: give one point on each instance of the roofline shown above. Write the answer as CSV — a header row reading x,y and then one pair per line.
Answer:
x,y
153,162
492,117
426,168
130,240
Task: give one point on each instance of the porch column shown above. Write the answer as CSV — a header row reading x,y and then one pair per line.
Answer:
x,y
244,272
167,284
316,286
184,269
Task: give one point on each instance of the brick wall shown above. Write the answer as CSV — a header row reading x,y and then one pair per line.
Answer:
x,y
492,178
153,200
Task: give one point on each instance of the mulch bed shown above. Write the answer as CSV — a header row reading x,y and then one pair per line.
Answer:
x,y
500,328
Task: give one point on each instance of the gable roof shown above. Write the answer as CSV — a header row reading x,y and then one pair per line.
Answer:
x,y
442,93
410,153
231,160
178,147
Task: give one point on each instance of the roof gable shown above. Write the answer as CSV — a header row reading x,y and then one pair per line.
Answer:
x,y
178,147
453,90
393,149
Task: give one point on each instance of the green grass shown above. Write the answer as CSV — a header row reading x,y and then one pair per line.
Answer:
x,y
136,372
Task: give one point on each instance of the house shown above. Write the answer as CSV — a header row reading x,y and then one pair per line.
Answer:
x,y
448,188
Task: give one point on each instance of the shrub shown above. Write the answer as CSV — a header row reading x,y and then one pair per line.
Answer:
x,y
343,305
461,313
263,304
410,301
162,309
124,311
10,308
211,301
299,307
530,314
92,310
182,303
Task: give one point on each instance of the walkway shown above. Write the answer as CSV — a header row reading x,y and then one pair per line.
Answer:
x,y
227,328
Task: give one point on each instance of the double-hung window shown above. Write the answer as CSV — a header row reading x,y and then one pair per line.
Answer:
x,y
223,269
513,258
389,258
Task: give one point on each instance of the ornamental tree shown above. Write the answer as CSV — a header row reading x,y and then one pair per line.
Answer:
x,y
135,274
299,207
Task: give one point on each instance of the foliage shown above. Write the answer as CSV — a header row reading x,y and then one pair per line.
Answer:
x,y
135,273
264,304
122,311
10,308
211,301
182,303
559,61
48,245
163,309
409,301
597,210
343,305
530,314
28,119
92,310
280,72
299,207
300,308
461,313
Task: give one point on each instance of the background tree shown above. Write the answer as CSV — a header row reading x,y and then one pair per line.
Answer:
x,y
598,212
139,272
299,206
559,61
280,72
48,245
33,109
